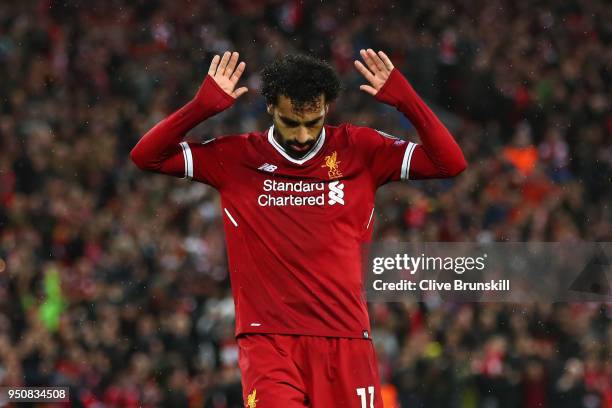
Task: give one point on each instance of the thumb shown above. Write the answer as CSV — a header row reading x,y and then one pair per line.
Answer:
x,y
368,89
239,92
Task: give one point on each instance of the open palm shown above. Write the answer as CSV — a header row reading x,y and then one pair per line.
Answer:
x,y
227,72
377,72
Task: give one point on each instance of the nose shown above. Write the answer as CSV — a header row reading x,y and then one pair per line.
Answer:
x,y
303,136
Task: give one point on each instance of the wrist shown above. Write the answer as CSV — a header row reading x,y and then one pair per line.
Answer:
x,y
211,98
395,90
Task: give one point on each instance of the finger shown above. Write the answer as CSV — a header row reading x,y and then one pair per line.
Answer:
x,y
364,71
229,70
376,60
223,63
213,65
368,89
368,60
238,73
239,92
386,60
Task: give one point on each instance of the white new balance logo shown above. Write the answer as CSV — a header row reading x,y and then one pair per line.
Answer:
x,y
267,167
336,193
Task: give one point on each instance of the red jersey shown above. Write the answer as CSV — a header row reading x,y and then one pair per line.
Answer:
x,y
294,227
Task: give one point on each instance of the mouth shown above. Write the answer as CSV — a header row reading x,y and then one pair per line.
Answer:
x,y
300,147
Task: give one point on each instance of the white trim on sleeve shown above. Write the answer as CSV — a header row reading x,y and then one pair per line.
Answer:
x,y
188,160
405,173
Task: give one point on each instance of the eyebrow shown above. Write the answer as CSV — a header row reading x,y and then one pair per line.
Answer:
x,y
295,122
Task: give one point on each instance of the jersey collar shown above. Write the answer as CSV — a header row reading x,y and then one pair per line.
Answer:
x,y
315,149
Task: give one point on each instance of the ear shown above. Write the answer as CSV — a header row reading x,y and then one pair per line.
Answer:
x,y
326,108
270,109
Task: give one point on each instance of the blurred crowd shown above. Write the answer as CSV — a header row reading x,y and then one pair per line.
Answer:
x,y
114,282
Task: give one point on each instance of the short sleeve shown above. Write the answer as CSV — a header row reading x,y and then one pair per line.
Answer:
x,y
386,157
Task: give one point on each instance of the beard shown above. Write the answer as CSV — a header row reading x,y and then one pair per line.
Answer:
x,y
294,148
298,150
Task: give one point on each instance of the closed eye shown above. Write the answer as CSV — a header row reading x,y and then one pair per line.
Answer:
x,y
290,123
293,123
313,123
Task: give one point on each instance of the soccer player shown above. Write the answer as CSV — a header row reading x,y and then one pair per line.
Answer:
x,y
297,203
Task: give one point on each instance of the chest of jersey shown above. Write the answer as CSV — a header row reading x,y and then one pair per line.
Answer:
x,y
322,189
330,195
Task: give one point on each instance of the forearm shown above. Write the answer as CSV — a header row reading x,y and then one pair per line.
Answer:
x,y
162,141
438,145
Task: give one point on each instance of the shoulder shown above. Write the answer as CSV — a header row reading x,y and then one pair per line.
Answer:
x,y
366,136
236,141
347,133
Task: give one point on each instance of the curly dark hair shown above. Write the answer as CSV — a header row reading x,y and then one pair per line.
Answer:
x,y
302,79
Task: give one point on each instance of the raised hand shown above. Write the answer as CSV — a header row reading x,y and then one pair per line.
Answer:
x,y
377,72
226,72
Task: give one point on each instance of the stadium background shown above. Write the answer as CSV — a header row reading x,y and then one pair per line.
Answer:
x,y
114,281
